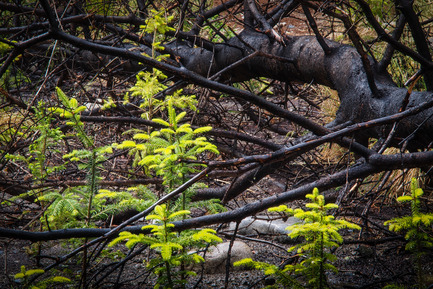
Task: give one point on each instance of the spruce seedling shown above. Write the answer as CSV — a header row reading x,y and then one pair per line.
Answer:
x,y
169,245
90,159
24,277
167,152
320,234
45,141
171,153
417,227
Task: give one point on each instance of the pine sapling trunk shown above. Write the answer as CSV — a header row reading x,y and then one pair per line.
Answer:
x,y
166,239
167,268
418,261
92,186
321,270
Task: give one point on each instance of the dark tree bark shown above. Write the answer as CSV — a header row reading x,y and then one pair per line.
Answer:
x,y
342,70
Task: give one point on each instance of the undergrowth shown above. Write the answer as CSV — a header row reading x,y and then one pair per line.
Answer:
x,y
417,227
319,235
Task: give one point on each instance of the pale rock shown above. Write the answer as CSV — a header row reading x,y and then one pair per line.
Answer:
x,y
252,226
216,257
95,105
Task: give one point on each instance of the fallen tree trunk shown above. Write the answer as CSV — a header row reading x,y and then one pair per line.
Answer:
x,y
303,59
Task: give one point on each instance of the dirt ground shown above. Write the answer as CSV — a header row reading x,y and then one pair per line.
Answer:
x,y
372,258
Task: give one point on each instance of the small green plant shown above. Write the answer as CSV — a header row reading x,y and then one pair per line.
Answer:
x,y
172,145
320,233
417,227
24,278
90,158
80,206
83,205
169,151
157,26
71,111
151,83
148,85
170,246
13,76
45,142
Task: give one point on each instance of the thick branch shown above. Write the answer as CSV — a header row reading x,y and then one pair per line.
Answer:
x,y
389,51
406,7
342,70
267,28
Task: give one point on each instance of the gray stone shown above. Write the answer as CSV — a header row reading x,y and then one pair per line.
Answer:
x,y
216,257
95,105
251,226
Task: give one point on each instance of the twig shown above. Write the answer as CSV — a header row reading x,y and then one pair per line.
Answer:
x,y
265,25
228,265
255,240
316,31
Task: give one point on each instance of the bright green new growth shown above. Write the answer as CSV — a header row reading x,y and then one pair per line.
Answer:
x,y
148,86
45,141
157,25
71,200
170,152
150,83
417,226
25,275
163,150
72,112
170,246
79,206
320,233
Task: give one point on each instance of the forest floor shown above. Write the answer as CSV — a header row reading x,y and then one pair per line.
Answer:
x,y
371,258
376,259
